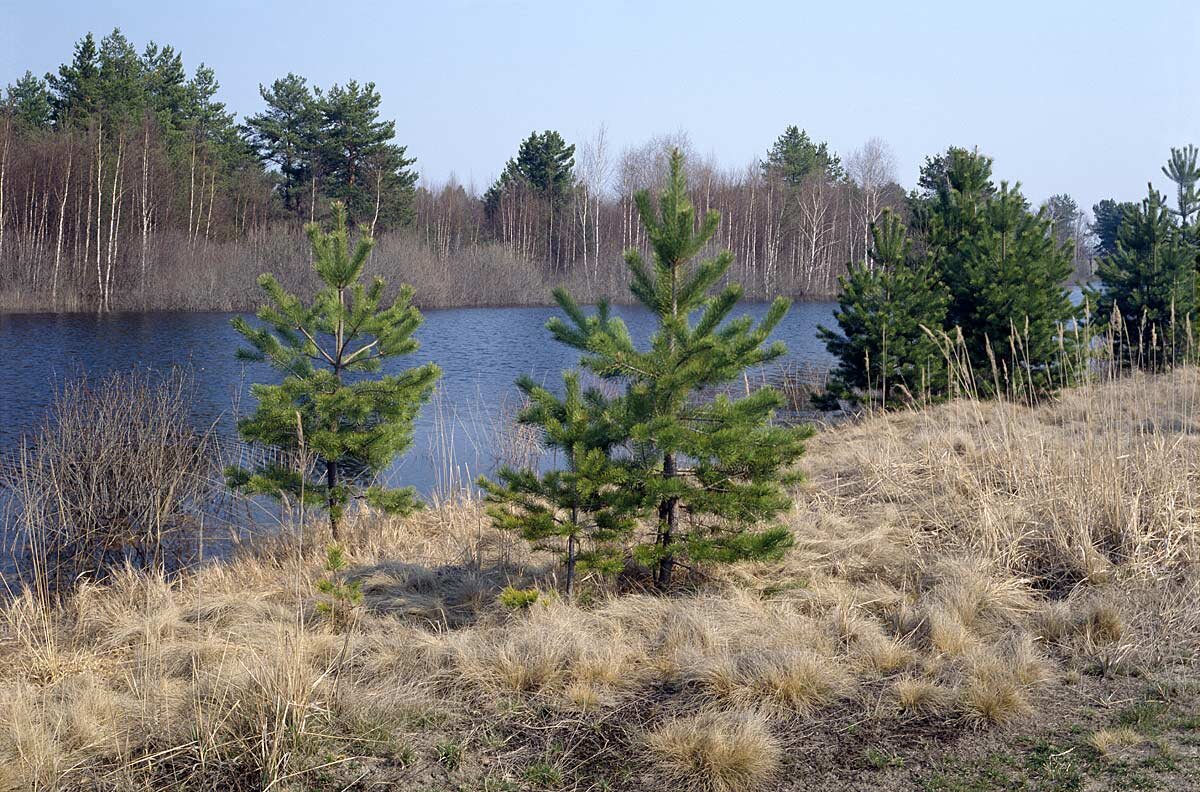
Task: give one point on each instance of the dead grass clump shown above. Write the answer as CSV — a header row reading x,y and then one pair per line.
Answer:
x,y
1100,624
994,693
795,681
714,752
918,696
1060,493
946,634
51,736
1109,742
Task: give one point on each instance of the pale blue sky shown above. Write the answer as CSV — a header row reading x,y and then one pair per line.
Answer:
x,y
1082,97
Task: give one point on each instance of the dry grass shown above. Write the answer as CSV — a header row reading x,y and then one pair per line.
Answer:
x,y
950,566
714,752
1109,742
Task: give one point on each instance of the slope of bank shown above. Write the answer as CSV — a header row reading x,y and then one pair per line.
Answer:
x,y
981,596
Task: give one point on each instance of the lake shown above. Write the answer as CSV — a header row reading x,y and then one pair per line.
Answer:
x,y
481,351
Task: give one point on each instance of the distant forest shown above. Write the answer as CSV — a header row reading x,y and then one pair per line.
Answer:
x,y
125,184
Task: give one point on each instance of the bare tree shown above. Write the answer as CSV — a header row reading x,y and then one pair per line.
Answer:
x,y
872,167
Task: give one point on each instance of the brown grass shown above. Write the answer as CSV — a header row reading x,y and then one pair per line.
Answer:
x,y
714,752
950,566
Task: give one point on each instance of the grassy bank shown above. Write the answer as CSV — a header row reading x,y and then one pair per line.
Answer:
x,y
981,596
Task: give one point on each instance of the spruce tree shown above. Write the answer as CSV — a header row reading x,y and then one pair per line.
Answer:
x,y
328,404
584,506
1148,286
888,319
708,469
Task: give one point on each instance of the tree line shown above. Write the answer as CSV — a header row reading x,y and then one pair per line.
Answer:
x,y
125,183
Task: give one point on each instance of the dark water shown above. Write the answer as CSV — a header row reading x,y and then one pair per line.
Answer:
x,y
481,352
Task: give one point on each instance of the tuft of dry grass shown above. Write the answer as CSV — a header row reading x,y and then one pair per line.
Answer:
x,y
918,696
714,752
1109,742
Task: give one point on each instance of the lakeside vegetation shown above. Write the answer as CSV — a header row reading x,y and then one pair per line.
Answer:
x,y
985,578
126,184
980,595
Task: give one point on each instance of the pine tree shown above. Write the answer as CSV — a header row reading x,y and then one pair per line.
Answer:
x,y
287,134
1005,272
888,317
327,405
1008,294
1183,170
710,469
1107,216
958,172
1148,285
360,164
75,87
584,505
545,165
793,157
29,101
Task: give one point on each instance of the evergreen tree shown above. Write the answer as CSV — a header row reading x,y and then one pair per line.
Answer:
x,y
360,164
794,156
1183,170
28,99
165,83
121,87
1148,285
584,505
888,317
1107,217
209,127
287,134
1008,294
327,405
957,170
709,468
75,89
544,164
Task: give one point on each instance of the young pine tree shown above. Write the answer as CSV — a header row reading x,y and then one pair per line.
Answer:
x,y
888,317
327,405
1148,286
1009,295
708,470
586,505
1183,170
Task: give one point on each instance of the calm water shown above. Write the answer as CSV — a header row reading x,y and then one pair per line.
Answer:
x,y
481,352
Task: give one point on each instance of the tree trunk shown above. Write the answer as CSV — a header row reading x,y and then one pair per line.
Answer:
x,y
667,515
62,214
572,544
3,169
331,483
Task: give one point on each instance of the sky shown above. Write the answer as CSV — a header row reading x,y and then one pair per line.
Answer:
x,y
1079,97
